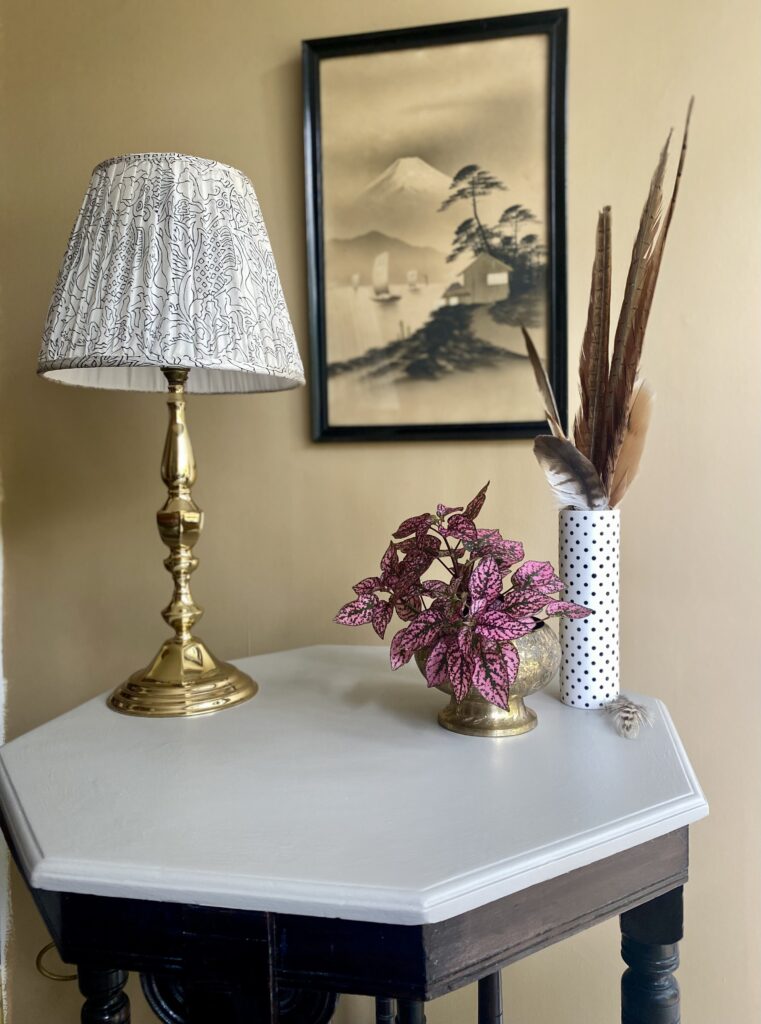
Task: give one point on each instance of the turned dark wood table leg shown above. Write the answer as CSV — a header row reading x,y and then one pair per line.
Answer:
x,y
490,999
385,1011
105,1002
410,1011
649,945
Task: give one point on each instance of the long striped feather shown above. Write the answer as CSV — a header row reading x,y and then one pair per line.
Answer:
x,y
545,388
638,299
589,432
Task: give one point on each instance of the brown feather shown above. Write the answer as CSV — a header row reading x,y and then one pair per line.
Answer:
x,y
572,477
627,345
627,464
593,364
644,243
635,311
545,388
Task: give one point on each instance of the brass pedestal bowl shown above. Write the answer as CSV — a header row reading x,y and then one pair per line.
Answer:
x,y
539,653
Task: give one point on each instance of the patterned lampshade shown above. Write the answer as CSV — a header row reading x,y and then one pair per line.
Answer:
x,y
169,265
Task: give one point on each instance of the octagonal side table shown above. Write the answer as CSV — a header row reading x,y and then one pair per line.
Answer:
x,y
329,837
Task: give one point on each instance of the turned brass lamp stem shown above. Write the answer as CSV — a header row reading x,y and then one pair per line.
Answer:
x,y
180,520
184,678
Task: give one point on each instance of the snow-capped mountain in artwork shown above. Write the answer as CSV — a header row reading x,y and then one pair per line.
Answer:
x,y
402,201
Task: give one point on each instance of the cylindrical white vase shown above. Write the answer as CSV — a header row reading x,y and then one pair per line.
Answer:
x,y
589,567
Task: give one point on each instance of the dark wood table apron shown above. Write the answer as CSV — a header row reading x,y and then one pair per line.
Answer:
x,y
203,964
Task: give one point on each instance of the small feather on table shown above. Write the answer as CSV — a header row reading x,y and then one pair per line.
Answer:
x,y
628,717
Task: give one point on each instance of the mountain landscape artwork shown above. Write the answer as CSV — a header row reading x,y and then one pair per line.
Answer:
x,y
436,234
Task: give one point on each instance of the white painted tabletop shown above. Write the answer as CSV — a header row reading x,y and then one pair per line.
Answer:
x,y
334,793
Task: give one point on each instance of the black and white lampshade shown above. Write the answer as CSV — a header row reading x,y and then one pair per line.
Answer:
x,y
589,566
169,264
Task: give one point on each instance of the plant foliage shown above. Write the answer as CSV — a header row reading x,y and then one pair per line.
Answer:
x,y
468,621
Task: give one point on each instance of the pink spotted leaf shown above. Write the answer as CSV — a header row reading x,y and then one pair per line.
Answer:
x,y
539,575
505,552
407,606
390,561
381,617
461,528
490,676
496,625
485,581
417,560
524,601
400,652
368,585
436,588
436,665
459,670
358,612
413,525
512,661
420,542
423,631
569,609
474,507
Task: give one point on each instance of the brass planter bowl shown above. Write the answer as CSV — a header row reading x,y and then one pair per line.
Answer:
x,y
539,652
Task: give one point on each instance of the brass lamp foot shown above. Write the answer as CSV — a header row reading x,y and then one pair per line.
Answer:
x,y
183,679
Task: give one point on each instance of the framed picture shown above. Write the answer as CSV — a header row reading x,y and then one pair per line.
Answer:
x,y
435,181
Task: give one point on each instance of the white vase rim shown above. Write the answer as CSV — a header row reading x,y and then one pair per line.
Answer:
x,y
589,511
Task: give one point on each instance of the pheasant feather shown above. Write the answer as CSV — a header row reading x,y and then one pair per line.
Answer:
x,y
574,480
627,463
638,299
545,388
611,425
593,365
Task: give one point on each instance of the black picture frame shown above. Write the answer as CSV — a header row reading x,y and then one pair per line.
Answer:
x,y
554,25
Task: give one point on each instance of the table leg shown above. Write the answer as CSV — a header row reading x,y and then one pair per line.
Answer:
x,y
385,1011
105,1002
410,1011
490,999
649,945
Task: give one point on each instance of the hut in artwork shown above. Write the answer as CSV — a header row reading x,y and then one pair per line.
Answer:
x,y
486,279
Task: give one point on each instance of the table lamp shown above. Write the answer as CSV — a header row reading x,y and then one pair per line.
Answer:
x,y
169,282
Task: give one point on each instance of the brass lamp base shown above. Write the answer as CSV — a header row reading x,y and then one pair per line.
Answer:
x,y
183,679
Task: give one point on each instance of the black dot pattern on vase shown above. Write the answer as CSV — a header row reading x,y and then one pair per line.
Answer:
x,y
589,667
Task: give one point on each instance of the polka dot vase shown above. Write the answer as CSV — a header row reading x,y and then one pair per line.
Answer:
x,y
589,566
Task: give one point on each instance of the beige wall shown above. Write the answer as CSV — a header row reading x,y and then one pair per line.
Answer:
x,y
84,80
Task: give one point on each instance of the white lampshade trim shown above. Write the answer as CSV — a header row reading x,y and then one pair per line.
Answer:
x,y
169,264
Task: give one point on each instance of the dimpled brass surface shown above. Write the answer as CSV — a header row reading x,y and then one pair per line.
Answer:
x,y
539,654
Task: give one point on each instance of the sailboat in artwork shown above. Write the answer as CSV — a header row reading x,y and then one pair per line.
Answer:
x,y
412,281
380,280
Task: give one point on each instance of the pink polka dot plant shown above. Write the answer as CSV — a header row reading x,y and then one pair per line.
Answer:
x,y
469,620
